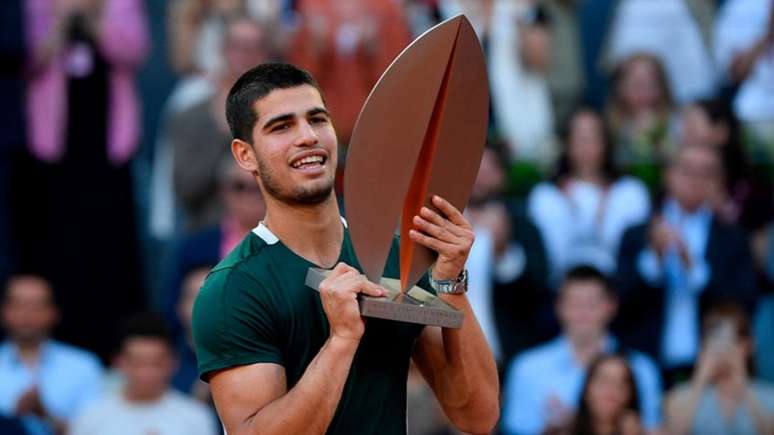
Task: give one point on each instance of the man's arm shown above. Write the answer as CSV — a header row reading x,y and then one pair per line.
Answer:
x,y
254,399
457,363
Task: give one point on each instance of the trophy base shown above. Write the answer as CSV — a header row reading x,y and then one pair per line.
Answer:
x,y
413,306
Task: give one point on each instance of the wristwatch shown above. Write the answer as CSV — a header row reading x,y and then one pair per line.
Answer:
x,y
456,286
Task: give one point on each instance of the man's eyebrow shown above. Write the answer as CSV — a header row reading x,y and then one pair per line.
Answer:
x,y
317,111
278,118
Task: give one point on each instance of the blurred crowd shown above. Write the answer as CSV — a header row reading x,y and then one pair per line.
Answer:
x,y
624,209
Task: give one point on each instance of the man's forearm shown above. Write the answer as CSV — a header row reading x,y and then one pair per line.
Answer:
x,y
468,384
309,406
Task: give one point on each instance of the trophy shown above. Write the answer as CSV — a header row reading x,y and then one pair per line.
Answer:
x,y
420,133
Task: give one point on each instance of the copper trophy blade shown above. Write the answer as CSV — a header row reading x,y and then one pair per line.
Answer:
x,y
420,133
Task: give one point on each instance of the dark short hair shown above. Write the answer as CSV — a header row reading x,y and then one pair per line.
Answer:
x,y
587,273
255,84
146,325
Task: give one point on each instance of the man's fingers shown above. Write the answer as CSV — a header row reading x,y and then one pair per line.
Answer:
x,y
430,242
451,212
371,289
434,230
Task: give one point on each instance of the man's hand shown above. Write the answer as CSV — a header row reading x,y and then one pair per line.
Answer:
x,y
450,235
338,293
29,403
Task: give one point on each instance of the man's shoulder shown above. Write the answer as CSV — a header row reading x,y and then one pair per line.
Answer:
x,y
184,406
538,358
73,356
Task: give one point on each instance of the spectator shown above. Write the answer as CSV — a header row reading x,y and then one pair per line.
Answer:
x,y
197,29
44,382
83,125
519,64
199,136
583,212
186,378
507,264
609,402
744,52
677,33
722,396
346,45
145,404
544,384
684,257
747,198
640,113
244,208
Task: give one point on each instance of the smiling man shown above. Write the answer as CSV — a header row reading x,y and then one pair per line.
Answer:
x,y
284,359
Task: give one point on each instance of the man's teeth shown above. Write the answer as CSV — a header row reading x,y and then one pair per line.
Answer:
x,y
308,160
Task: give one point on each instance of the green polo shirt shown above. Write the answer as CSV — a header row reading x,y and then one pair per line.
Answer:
x,y
255,308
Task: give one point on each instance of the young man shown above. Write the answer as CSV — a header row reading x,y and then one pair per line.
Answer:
x,y
283,358
43,382
145,404
544,384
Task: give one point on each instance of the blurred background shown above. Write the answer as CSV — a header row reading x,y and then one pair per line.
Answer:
x,y
624,255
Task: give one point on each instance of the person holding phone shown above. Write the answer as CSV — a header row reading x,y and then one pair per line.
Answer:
x,y
722,397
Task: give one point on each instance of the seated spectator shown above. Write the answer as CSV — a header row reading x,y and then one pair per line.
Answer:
x,y
747,197
640,114
744,34
609,402
543,386
244,208
722,397
44,382
186,378
145,404
199,136
507,264
682,258
583,212
677,32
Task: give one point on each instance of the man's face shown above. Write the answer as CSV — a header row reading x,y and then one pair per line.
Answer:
x,y
148,364
295,146
585,309
694,177
28,311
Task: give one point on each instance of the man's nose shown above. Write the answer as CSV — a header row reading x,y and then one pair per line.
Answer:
x,y
307,136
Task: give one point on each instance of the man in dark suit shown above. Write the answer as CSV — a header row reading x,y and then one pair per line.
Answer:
x,y
683,258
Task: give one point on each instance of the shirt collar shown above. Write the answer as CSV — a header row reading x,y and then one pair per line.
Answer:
x,y
567,356
10,352
265,233
675,214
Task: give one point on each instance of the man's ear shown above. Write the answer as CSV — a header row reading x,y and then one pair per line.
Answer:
x,y
244,154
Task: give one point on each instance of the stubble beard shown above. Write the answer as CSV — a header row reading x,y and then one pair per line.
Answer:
x,y
297,195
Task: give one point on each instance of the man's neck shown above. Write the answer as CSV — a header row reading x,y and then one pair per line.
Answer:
x,y
313,232
139,398
584,349
29,351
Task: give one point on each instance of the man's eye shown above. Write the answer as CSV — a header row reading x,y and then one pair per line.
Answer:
x,y
319,120
281,127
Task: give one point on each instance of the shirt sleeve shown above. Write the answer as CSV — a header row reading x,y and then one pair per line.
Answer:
x,y
234,323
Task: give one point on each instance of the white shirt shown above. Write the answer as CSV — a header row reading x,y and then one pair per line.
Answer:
x,y
667,29
740,24
584,224
173,414
521,100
